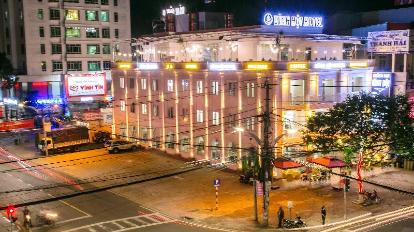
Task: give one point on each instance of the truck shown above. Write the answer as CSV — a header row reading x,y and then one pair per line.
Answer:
x,y
70,138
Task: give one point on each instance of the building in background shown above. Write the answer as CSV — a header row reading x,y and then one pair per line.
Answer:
x,y
195,89
177,19
64,48
403,2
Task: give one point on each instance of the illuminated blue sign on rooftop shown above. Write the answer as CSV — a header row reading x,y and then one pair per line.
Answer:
x,y
293,21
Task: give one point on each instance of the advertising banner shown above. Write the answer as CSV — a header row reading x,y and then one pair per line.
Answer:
x,y
14,125
397,41
80,85
382,83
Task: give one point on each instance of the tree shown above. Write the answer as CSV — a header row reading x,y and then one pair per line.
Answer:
x,y
7,79
364,126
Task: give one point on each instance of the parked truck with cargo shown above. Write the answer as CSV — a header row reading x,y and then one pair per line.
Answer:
x,y
67,139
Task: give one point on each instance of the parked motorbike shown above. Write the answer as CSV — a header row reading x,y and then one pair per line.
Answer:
x,y
245,179
371,198
289,224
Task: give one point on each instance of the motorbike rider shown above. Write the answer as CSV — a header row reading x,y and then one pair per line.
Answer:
x,y
27,218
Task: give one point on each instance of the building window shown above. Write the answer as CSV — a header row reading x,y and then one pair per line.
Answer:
x,y
215,87
154,85
170,85
104,16
94,66
143,84
122,107
91,15
185,85
144,108
56,48
116,17
42,32
155,110
185,144
121,82
250,123
92,49
199,145
116,33
72,15
40,14
57,66
42,49
54,14
216,118
71,1
200,116
92,32
106,33
170,112
104,2
107,65
74,65
199,87
133,107
250,89
115,2
73,49
73,32
55,32
131,83
215,150
297,91
43,66
106,49
232,88
357,84
91,1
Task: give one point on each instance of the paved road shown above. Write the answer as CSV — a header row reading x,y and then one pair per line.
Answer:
x,y
403,225
96,212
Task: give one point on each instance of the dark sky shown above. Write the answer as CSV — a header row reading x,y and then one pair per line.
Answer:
x,y
247,12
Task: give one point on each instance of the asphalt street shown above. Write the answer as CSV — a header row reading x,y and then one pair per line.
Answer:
x,y
100,211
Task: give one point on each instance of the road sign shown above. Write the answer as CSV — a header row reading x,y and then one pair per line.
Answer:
x,y
217,183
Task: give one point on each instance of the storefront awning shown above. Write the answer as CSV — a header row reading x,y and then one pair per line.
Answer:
x,y
328,162
284,163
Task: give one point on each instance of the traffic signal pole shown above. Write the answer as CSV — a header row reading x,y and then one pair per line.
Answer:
x,y
266,156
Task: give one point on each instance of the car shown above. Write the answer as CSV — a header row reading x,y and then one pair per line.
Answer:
x,y
115,146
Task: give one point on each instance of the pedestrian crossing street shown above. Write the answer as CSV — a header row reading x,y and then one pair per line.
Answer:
x,y
125,224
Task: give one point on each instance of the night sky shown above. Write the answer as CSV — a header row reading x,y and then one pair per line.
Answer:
x,y
247,12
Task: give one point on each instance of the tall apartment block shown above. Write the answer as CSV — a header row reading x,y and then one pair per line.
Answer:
x,y
58,46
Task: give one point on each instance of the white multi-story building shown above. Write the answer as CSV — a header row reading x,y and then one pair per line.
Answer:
x,y
62,38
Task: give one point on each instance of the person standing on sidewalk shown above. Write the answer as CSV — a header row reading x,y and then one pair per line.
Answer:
x,y
323,214
280,216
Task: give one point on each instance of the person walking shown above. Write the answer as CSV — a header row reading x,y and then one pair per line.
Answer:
x,y
280,216
323,214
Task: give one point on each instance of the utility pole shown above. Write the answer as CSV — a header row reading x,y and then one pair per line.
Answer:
x,y
266,155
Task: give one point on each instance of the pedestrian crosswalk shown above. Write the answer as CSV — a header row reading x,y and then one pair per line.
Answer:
x,y
125,224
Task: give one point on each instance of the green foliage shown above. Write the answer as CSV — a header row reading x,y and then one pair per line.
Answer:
x,y
374,124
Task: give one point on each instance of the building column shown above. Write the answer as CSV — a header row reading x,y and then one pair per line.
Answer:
x,y
393,63
405,62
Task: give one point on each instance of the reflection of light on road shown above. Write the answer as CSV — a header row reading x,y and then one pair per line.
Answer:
x,y
382,219
35,172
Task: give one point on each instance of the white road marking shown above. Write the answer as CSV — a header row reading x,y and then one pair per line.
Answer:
x,y
30,185
153,221
8,174
20,180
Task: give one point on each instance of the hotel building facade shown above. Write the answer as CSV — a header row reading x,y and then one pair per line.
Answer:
x,y
193,92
